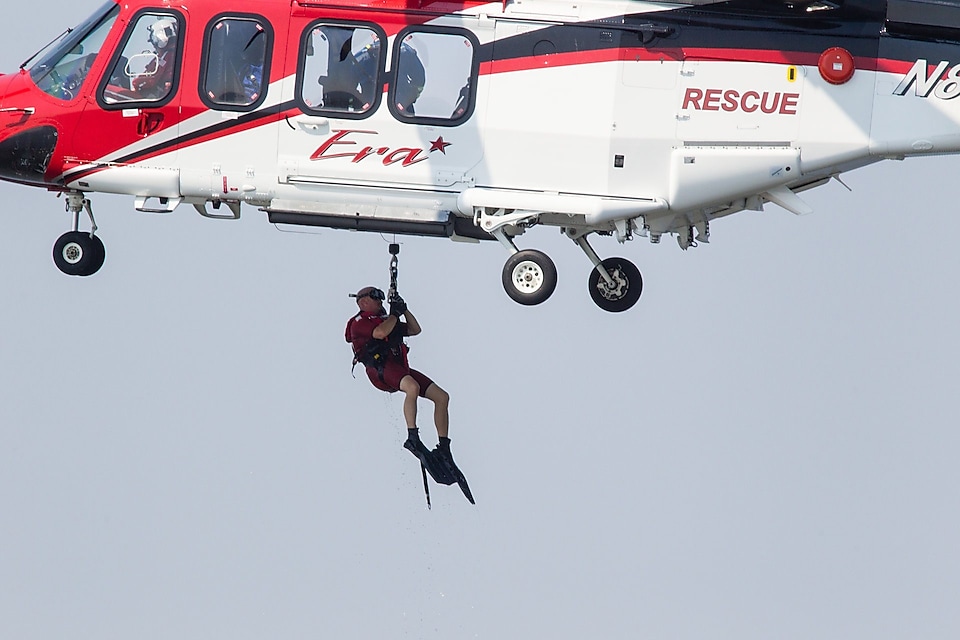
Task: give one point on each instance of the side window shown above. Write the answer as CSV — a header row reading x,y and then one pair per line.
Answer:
x,y
146,70
235,68
340,70
434,77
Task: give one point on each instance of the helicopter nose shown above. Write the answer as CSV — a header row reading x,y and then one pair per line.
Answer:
x,y
25,156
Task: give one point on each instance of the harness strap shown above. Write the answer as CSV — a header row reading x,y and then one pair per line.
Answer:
x,y
373,354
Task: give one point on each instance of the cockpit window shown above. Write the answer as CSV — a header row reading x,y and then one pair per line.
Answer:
x,y
146,70
435,72
63,68
235,69
340,70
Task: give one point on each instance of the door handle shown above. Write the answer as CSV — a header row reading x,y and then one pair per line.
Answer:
x,y
149,122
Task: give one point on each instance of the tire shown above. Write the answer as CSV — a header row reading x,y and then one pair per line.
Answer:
x,y
529,277
100,254
629,285
77,254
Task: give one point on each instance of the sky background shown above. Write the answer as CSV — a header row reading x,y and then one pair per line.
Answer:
x,y
765,447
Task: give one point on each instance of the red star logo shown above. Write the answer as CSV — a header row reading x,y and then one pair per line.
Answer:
x,y
439,145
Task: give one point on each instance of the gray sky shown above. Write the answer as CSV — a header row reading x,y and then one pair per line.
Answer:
x,y
760,449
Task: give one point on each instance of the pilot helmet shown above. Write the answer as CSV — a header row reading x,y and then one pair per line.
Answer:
x,y
163,32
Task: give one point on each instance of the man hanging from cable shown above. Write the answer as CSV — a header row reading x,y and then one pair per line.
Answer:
x,y
377,340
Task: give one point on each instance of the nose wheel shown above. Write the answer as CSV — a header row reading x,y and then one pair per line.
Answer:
x,y
79,253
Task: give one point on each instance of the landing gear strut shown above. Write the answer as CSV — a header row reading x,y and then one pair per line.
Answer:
x,y
615,284
79,253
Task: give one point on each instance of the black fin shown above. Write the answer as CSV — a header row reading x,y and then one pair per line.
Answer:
x,y
434,467
462,481
454,472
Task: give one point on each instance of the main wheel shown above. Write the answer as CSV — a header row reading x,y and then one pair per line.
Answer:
x,y
529,277
626,289
76,253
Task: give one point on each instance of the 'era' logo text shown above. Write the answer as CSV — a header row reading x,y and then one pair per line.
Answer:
x,y
406,156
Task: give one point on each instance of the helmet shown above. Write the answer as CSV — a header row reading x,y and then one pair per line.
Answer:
x,y
163,32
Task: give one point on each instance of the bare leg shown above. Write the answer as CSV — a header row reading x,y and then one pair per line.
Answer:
x,y
411,390
441,408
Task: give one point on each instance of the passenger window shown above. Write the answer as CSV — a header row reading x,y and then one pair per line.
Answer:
x,y
236,71
434,77
146,70
63,69
341,69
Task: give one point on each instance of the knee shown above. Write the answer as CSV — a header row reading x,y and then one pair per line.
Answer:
x,y
410,386
441,397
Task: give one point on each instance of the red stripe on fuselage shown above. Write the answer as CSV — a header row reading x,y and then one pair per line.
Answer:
x,y
637,54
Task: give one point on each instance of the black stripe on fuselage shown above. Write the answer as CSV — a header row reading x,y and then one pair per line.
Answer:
x,y
774,25
219,129
762,25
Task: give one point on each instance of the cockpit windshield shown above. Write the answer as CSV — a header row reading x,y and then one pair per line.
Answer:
x,y
64,64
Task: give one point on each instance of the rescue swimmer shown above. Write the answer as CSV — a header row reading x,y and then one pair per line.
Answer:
x,y
377,339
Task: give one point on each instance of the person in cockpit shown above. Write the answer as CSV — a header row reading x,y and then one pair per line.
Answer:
x,y
157,80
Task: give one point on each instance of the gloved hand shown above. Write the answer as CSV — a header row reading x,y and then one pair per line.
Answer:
x,y
397,306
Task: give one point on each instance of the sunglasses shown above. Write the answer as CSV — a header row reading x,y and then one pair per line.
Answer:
x,y
376,294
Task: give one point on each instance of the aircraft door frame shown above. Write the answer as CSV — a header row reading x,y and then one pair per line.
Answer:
x,y
231,106
644,111
133,118
531,144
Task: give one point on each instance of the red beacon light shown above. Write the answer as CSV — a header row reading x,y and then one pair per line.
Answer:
x,y
836,65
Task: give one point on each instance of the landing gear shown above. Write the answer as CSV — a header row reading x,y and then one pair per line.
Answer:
x,y
615,283
529,277
79,253
624,290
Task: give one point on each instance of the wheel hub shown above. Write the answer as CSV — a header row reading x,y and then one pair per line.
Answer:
x,y
72,253
527,277
619,287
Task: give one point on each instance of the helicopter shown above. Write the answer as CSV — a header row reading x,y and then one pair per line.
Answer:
x,y
478,121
